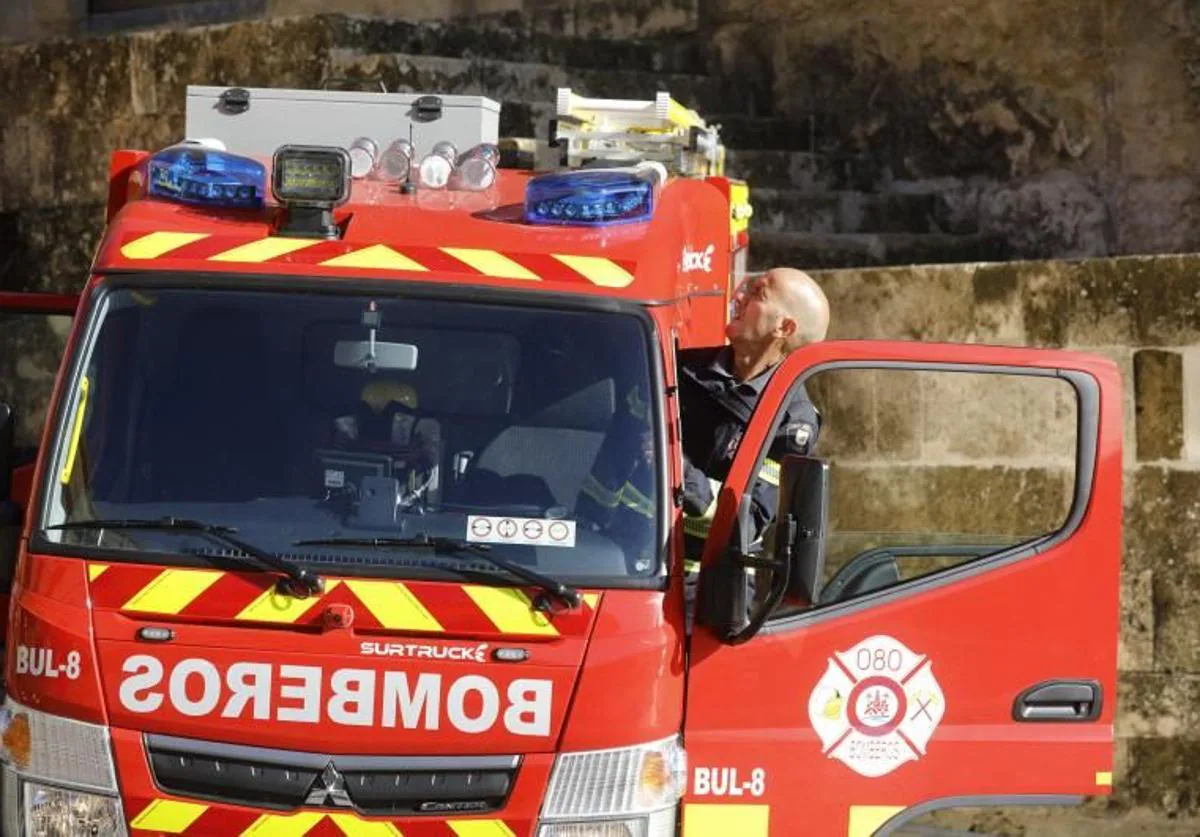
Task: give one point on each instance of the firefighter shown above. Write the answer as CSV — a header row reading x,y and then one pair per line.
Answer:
x,y
773,314
385,419
384,414
617,496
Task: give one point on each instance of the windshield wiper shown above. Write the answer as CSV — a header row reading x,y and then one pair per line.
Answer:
x,y
303,581
461,549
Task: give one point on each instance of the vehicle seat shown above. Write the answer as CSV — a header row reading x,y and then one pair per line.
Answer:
x,y
543,459
866,573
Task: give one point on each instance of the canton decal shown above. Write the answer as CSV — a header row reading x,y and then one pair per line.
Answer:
x,y
877,706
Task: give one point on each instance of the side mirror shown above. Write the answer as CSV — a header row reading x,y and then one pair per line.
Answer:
x,y
804,498
796,564
7,451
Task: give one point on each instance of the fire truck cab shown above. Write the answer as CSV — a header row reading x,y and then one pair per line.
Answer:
x,y
308,546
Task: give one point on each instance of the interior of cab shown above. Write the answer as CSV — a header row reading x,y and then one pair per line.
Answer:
x,y
222,397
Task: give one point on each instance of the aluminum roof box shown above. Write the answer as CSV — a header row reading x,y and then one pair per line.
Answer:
x,y
257,120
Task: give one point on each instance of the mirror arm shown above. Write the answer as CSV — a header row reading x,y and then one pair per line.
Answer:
x,y
780,579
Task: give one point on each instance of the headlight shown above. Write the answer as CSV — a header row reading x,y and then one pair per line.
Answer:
x,y
58,776
626,792
661,824
48,811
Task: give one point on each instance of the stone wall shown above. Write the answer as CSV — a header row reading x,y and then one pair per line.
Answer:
x,y
1145,314
1066,128
36,20
66,104
881,132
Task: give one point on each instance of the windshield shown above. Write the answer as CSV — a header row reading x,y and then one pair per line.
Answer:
x,y
301,416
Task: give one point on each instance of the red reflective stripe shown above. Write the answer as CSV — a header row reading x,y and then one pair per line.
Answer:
x,y
316,254
437,261
227,597
451,607
547,267
119,583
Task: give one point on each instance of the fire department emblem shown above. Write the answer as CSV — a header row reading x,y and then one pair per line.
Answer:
x,y
876,706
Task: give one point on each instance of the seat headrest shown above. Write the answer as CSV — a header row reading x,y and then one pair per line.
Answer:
x,y
591,408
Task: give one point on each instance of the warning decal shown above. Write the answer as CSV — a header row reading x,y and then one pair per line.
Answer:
x,y
876,706
525,531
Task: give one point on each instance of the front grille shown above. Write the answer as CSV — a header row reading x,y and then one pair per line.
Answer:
x,y
286,779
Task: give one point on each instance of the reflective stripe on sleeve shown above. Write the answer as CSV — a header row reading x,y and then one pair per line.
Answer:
x,y
698,526
601,493
633,499
769,472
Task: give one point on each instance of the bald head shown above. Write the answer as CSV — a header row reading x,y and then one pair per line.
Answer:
x,y
802,300
775,313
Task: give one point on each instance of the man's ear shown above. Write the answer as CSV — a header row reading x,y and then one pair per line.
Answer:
x,y
787,327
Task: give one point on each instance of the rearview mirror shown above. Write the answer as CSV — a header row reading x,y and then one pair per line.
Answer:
x,y
375,355
804,497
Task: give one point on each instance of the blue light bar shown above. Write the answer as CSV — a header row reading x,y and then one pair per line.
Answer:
x,y
199,175
595,197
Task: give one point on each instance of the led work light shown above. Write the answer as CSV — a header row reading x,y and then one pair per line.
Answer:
x,y
309,181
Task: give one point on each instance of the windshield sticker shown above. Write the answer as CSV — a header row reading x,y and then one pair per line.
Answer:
x,y
525,531
877,706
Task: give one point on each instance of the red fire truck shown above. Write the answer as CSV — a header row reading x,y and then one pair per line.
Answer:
x,y
303,550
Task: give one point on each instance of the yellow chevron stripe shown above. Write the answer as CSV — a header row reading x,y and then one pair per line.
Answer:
x,y
273,606
480,828
394,605
352,826
157,244
1104,778
510,610
264,249
167,815
172,590
96,570
376,256
724,820
278,825
591,599
603,272
491,263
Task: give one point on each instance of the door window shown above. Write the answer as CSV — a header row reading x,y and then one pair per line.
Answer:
x,y
931,470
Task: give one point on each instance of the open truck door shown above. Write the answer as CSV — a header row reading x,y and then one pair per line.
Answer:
x,y
931,623
34,329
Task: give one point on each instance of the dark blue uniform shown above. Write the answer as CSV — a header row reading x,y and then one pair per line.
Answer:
x,y
715,409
